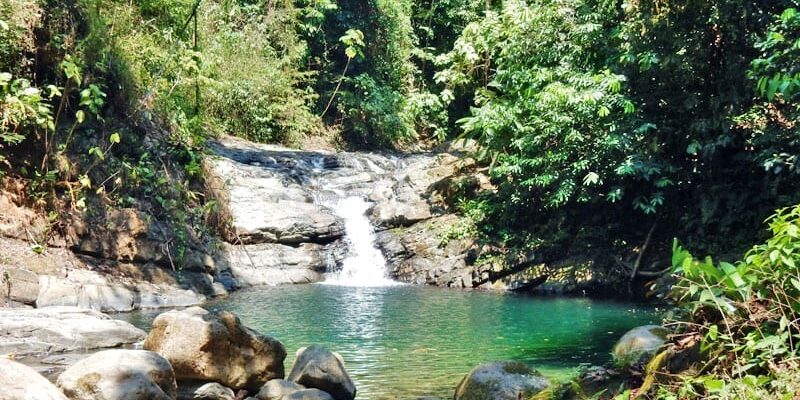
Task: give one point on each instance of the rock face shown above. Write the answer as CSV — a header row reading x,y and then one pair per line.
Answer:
x,y
316,367
274,263
18,284
56,329
638,345
20,382
215,347
405,200
279,389
418,254
279,206
506,380
119,375
262,195
89,289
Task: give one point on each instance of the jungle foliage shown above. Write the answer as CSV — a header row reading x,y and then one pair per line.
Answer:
x,y
604,125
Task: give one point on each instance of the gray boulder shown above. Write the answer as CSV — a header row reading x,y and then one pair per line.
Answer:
x,y
56,329
319,368
638,345
504,380
207,391
119,375
279,389
20,382
207,346
309,394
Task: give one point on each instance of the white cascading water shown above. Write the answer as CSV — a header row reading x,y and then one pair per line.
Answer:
x,y
364,264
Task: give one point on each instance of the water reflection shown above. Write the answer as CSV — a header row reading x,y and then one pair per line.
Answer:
x,y
405,342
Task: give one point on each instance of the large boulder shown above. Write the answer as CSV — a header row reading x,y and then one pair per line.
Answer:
x,y
119,375
56,329
504,380
279,389
316,367
638,345
18,284
207,346
20,382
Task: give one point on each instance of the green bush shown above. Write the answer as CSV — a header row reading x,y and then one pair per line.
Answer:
x,y
747,314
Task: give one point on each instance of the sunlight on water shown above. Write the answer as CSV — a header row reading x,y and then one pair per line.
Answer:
x,y
404,342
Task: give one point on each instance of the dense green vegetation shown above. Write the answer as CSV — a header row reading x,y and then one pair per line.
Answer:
x,y
608,128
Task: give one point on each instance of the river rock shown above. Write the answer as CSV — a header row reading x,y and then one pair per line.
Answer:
x,y
279,389
316,367
18,284
638,345
216,347
206,391
55,329
119,375
20,382
505,380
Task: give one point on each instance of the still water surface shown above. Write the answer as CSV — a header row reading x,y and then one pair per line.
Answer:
x,y
403,342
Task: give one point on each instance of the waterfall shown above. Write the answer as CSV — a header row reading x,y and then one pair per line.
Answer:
x,y
364,264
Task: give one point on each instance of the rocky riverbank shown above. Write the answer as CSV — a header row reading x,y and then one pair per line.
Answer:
x,y
197,354
275,223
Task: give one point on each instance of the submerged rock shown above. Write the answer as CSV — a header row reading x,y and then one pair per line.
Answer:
x,y
207,346
279,389
504,380
56,329
638,345
119,375
319,368
22,382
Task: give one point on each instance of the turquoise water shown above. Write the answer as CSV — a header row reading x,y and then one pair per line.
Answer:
x,y
403,342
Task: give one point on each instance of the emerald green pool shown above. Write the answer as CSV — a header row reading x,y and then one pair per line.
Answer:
x,y
403,342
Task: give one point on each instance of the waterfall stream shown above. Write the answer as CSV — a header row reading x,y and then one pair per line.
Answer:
x,y
364,264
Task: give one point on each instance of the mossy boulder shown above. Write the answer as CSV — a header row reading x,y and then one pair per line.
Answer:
x,y
638,345
503,380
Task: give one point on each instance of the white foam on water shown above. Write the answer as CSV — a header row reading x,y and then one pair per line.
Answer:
x,y
364,264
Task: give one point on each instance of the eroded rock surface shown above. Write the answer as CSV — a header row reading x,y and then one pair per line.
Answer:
x,y
18,284
274,263
57,329
89,289
207,346
119,375
280,205
22,382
